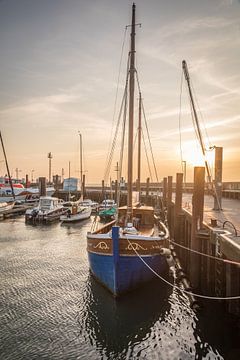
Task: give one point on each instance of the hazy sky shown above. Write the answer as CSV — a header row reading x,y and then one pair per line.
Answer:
x,y
59,67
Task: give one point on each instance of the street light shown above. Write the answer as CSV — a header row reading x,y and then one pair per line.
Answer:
x,y
32,175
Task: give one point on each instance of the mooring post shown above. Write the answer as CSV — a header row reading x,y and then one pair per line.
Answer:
x,y
197,221
147,187
103,190
165,185
218,179
178,205
115,244
169,202
26,180
42,186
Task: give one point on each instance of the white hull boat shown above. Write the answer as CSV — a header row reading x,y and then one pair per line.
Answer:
x,y
48,210
75,212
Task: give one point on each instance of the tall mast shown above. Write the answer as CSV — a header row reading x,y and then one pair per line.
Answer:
x,y
187,77
139,141
131,116
80,163
9,176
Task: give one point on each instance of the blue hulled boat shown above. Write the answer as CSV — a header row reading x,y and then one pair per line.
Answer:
x,y
127,252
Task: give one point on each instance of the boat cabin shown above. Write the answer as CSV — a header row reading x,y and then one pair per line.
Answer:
x,y
142,215
48,203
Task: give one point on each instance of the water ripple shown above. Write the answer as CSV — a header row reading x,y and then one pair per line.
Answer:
x,y
52,308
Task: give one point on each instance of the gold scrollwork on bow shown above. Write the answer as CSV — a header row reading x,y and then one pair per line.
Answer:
x,y
135,246
102,246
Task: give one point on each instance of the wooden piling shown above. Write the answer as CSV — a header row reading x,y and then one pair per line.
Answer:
x,y
42,186
178,205
165,187
147,187
169,202
103,190
197,224
218,179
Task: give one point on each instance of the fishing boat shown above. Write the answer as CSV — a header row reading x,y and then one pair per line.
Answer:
x,y
75,212
108,214
48,210
93,204
107,204
128,251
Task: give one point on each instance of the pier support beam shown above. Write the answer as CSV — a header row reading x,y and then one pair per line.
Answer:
x,y
169,202
178,205
147,187
165,184
218,179
197,221
42,186
103,190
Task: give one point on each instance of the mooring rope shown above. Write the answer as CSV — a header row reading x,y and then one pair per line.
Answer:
x,y
206,255
180,289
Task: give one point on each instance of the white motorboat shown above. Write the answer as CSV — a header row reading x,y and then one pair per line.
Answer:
x,y
75,212
107,204
49,209
93,204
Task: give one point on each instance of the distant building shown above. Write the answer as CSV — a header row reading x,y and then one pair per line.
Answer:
x,y
71,184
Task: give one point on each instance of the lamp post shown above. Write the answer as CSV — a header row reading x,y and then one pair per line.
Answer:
x,y
32,175
50,164
17,172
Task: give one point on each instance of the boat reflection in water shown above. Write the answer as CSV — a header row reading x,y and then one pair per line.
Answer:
x,y
114,324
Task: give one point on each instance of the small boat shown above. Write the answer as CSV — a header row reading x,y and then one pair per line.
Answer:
x,y
108,214
129,250
93,204
4,206
107,204
48,210
75,212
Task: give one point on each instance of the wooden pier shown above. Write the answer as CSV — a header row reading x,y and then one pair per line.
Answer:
x,y
15,211
207,242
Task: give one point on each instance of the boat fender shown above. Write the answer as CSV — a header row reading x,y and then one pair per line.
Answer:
x,y
170,261
165,251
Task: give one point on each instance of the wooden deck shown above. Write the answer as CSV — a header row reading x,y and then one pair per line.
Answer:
x,y
230,212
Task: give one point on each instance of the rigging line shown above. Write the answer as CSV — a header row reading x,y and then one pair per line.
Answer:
x,y
201,115
145,121
122,148
117,90
145,148
107,170
226,261
180,289
153,160
179,120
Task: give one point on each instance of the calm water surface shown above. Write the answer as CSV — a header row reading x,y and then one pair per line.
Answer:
x,y
51,307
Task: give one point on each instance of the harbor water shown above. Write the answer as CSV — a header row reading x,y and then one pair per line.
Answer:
x,y
52,308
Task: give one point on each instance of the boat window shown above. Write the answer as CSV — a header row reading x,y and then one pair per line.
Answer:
x,y
45,203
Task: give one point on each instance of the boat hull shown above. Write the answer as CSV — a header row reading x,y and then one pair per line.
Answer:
x,y
129,273
75,217
122,263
